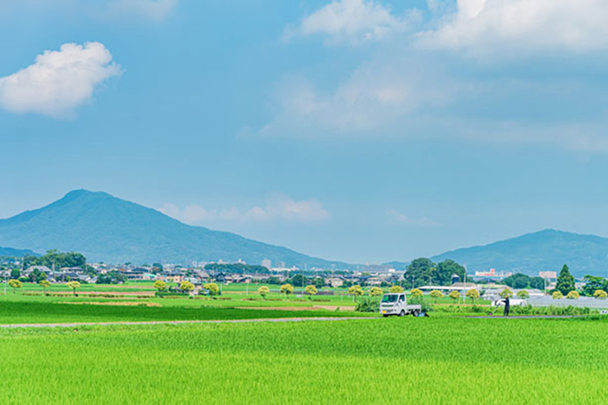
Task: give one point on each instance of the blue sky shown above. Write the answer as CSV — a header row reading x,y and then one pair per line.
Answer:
x,y
357,130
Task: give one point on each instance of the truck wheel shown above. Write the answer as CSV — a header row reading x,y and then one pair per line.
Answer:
x,y
402,313
385,315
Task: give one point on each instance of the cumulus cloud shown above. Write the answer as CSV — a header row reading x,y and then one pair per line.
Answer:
x,y
481,26
59,81
277,208
401,219
353,21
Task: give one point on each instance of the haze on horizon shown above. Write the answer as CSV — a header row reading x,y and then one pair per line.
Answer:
x,y
356,130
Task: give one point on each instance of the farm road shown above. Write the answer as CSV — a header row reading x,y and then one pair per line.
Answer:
x,y
77,324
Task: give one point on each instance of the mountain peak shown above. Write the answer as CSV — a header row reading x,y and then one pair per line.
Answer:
x,y
107,228
74,194
545,250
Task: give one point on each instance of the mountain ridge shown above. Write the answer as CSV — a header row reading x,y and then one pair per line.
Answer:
x,y
107,228
544,250
11,252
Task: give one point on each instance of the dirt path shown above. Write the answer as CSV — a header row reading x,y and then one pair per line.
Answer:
x,y
77,324
313,308
525,317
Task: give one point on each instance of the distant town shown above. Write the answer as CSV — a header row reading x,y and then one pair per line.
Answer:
x,y
422,274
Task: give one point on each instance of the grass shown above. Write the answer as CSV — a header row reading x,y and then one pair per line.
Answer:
x,y
381,361
37,312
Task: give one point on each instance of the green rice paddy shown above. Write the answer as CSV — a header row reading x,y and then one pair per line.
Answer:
x,y
38,312
378,361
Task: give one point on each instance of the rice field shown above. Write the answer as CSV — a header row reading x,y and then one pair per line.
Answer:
x,y
378,361
38,312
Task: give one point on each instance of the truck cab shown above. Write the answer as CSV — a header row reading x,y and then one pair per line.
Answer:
x,y
396,304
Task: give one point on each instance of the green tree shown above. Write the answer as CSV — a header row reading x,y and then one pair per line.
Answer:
x,y
557,295
74,285
15,284
376,291
186,286
445,270
435,294
565,281
600,294
355,291
264,291
517,281
506,293
311,290
419,272
213,288
537,283
55,259
523,294
160,285
573,295
287,289
236,268
454,295
299,280
592,284
44,284
473,294
416,293
395,289
15,274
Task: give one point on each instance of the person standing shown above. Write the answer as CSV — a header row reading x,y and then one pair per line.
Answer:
x,y
507,302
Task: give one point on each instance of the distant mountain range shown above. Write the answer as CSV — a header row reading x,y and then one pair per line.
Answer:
x,y
10,252
546,250
106,228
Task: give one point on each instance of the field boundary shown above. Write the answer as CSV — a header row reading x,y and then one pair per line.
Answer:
x,y
135,323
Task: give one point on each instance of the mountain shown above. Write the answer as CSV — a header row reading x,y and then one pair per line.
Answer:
x,y
106,228
10,252
546,250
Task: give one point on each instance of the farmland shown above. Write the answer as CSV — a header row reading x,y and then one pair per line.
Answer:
x,y
378,361
136,302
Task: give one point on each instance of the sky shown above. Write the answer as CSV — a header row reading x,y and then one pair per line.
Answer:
x,y
358,130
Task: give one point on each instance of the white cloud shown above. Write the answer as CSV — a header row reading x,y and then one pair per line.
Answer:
x,y
497,26
59,81
354,21
375,97
277,208
401,219
155,10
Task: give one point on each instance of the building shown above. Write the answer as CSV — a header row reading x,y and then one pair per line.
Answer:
x,y
550,275
492,274
267,263
461,287
42,269
334,282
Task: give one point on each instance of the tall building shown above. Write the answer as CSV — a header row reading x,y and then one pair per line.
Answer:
x,y
267,263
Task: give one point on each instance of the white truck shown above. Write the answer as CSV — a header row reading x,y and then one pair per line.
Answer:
x,y
396,304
